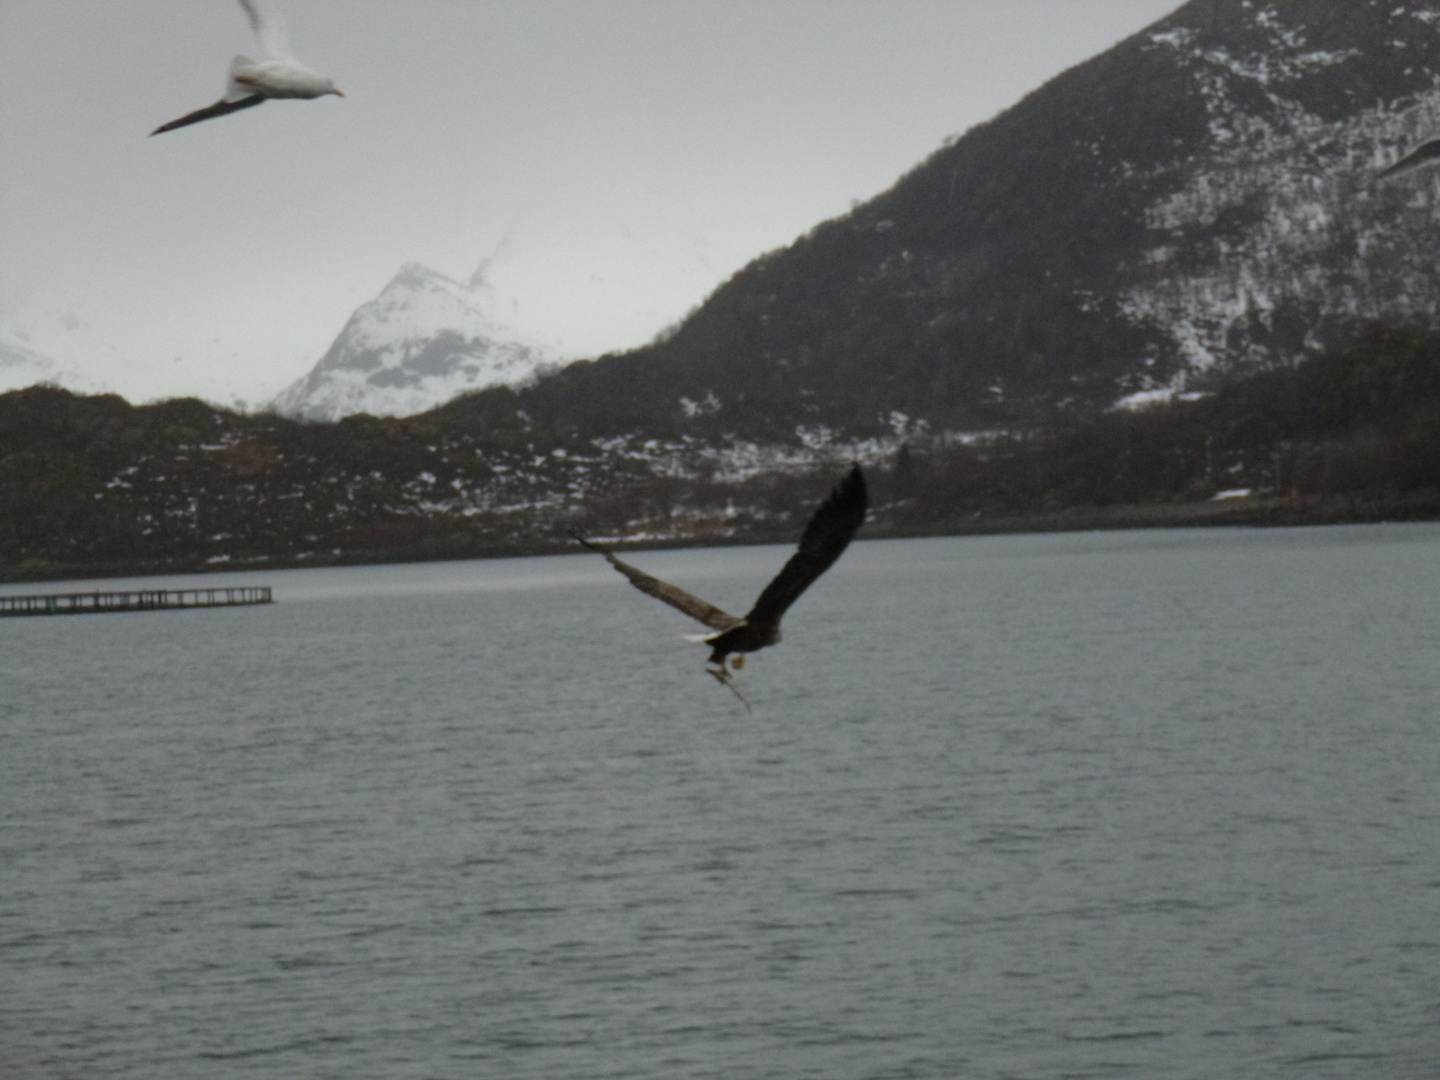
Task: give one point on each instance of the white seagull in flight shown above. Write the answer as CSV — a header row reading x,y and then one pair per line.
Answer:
x,y
253,81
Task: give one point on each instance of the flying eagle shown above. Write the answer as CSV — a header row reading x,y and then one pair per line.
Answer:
x,y
254,82
1427,153
830,530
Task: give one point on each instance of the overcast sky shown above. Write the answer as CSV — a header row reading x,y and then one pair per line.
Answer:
x,y
614,159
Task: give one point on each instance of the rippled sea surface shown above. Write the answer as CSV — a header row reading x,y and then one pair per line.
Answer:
x,y
1151,804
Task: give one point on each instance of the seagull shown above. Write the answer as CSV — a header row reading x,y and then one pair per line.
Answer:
x,y
253,81
1427,153
829,532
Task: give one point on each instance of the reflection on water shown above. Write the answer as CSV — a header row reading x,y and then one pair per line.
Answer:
x,y
1150,804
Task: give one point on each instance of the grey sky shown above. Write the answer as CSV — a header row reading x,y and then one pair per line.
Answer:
x,y
617,158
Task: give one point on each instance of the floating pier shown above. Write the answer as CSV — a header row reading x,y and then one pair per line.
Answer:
x,y
94,603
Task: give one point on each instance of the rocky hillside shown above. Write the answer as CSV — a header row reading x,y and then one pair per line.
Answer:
x,y
94,486
1196,203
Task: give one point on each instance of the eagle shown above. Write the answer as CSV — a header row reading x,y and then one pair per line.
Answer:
x,y
828,533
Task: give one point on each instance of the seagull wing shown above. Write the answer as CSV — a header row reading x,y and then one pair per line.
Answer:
x,y
829,532
1427,153
269,27
220,108
699,610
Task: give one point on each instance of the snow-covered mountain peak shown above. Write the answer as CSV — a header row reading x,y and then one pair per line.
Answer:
x,y
425,339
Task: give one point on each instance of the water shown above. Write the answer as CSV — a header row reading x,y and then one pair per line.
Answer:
x,y
1156,804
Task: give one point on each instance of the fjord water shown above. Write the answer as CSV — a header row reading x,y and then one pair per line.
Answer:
x,y
1151,804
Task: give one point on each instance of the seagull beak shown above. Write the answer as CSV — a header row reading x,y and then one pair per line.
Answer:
x,y
337,93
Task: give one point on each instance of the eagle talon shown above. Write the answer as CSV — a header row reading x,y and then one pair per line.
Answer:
x,y
722,676
737,661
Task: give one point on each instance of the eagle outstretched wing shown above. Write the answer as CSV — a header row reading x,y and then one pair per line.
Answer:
x,y
826,536
829,532
676,597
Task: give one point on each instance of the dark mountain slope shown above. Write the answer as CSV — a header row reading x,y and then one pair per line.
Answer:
x,y
96,486
1194,202
1348,435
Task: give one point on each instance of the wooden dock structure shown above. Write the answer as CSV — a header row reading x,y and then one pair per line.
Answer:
x,y
93,603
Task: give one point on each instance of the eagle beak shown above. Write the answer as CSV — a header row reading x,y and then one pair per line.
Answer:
x,y
337,93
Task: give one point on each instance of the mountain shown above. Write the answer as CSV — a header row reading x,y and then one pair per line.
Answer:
x,y
1165,288
1196,203
95,486
422,341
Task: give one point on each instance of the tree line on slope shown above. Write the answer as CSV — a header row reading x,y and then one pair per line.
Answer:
x,y
1364,420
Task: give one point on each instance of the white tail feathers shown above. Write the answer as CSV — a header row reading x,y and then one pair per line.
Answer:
x,y
234,88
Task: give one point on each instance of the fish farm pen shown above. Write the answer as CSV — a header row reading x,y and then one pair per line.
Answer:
x,y
93,603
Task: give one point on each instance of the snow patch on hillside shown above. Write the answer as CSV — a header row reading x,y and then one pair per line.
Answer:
x,y
1286,234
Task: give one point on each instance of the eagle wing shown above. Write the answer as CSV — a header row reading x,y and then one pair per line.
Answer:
x,y
220,108
700,610
829,532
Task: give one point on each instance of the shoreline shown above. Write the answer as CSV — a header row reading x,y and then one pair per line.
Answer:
x,y
1259,511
